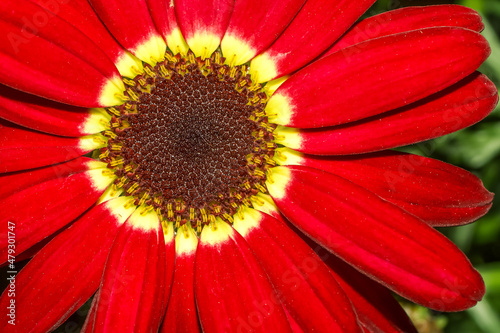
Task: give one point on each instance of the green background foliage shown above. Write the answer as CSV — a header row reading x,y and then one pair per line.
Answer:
x,y
476,149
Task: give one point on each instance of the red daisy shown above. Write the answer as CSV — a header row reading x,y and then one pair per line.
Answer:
x,y
186,162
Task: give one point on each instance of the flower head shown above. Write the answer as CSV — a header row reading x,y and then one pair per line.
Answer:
x,y
225,166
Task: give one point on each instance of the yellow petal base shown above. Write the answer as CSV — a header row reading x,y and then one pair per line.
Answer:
x,y
176,42
186,241
216,233
277,182
279,109
91,142
120,209
152,50
246,220
100,178
203,44
287,156
273,85
288,136
263,68
97,121
112,92
236,51
145,219
129,65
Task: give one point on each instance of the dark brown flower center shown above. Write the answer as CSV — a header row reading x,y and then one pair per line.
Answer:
x,y
193,142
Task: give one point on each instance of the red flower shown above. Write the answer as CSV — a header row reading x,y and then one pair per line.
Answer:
x,y
181,160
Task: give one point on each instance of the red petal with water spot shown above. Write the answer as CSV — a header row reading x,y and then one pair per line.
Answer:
x,y
65,273
254,25
450,110
438,193
318,24
45,116
379,239
42,209
386,73
233,293
42,54
408,19
133,279
298,275
23,149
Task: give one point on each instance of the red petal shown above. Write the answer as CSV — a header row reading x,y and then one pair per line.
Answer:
x,y
377,76
41,210
408,19
181,315
233,293
23,149
203,23
457,107
385,242
377,309
44,55
254,25
298,274
59,279
49,117
80,14
14,182
133,278
169,238
437,192
318,24
131,24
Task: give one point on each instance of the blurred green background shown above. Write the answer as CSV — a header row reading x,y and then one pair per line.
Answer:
x,y
476,149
